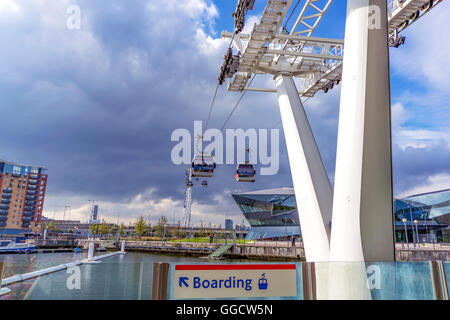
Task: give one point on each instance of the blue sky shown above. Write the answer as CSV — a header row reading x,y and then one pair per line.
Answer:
x,y
97,105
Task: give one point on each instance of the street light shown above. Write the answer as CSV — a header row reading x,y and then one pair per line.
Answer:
x,y
410,215
406,231
417,232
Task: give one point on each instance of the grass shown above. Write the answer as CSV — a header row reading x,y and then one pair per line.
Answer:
x,y
206,240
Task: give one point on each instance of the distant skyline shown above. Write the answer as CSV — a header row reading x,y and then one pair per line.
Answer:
x,y
96,105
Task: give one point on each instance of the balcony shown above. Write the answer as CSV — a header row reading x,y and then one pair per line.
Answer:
x,y
31,187
6,196
4,206
16,174
28,213
25,225
2,223
26,219
34,176
7,190
30,203
6,201
3,212
31,192
31,197
28,208
3,218
32,181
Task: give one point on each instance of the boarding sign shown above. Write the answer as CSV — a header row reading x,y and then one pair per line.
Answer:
x,y
235,281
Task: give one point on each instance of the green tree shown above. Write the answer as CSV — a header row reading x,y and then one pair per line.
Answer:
x,y
103,228
51,226
140,226
94,229
122,229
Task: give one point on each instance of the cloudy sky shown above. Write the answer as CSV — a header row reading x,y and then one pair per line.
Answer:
x,y
96,105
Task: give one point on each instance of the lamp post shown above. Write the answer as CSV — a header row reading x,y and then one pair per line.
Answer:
x,y
417,232
406,231
412,227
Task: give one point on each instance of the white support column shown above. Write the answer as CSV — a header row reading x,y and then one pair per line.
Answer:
x,y
91,251
362,228
313,191
122,248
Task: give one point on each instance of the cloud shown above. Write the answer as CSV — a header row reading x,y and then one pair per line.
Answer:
x,y
97,105
432,183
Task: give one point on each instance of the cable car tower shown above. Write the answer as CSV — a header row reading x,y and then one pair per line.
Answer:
x,y
361,204
188,199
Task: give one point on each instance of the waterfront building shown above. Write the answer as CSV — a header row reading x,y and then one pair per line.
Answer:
x,y
228,224
22,195
272,214
430,210
94,217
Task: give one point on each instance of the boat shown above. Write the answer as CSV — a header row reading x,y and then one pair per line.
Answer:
x,y
10,246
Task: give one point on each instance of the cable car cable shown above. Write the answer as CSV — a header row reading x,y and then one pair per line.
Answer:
x,y
237,104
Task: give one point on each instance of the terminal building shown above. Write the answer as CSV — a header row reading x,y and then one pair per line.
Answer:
x,y
272,214
22,195
427,214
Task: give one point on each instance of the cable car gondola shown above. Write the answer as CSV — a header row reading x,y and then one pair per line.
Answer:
x,y
204,183
203,166
245,172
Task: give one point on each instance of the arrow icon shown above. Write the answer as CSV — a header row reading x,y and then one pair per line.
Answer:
x,y
182,280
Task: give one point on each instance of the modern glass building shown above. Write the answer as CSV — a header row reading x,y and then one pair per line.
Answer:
x,y
272,214
22,193
431,211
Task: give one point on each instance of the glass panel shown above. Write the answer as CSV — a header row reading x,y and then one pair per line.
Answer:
x,y
447,274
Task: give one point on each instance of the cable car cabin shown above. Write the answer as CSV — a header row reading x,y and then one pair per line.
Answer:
x,y
245,173
204,183
203,166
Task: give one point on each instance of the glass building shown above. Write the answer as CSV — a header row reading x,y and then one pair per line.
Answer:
x,y
432,212
272,214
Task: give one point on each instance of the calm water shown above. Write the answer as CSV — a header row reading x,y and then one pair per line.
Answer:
x,y
120,277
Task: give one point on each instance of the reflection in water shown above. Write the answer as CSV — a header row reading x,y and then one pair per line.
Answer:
x,y
24,263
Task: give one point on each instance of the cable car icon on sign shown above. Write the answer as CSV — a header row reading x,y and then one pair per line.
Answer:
x,y
262,283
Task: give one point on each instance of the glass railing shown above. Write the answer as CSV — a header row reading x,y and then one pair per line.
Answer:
x,y
131,276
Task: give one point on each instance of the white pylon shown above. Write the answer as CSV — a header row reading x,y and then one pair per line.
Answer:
x,y
362,228
312,187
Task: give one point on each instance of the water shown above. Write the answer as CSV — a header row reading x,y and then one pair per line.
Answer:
x,y
121,277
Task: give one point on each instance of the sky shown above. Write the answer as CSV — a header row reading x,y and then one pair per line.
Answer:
x,y
96,105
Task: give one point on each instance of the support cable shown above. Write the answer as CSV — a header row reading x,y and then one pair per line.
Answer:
x,y
237,104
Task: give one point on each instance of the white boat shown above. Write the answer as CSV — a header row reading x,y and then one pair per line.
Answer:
x,y
10,246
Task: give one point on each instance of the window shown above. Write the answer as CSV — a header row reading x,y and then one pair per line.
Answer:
x,y
16,170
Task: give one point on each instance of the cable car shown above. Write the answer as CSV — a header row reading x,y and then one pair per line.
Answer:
x,y
203,166
204,183
245,172
189,184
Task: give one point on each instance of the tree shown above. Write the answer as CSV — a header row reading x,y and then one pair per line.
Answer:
x,y
140,225
122,229
94,229
103,228
51,226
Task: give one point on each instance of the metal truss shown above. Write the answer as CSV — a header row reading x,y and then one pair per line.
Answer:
x,y
270,48
403,13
